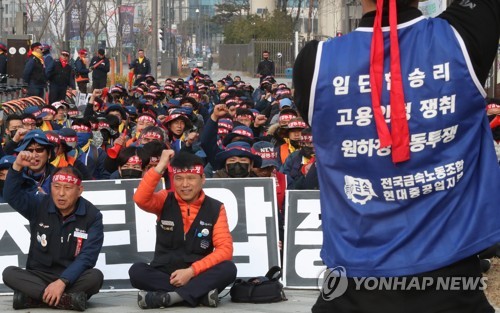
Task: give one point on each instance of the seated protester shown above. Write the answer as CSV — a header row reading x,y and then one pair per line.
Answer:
x,y
37,175
132,116
270,168
231,104
48,120
194,247
33,111
130,165
150,155
291,138
93,157
277,132
144,120
15,135
108,126
152,133
176,124
97,139
61,117
250,118
284,104
119,112
5,163
300,166
224,128
244,117
236,161
64,141
115,96
12,124
95,106
191,107
209,141
60,269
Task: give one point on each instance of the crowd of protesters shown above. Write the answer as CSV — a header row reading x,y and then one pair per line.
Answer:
x,y
237,129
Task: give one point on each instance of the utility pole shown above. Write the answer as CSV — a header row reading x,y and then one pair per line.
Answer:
x,y
154,38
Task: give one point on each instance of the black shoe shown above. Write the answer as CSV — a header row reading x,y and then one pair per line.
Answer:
x,y
211,299
153,299
485,265
73,301
23,301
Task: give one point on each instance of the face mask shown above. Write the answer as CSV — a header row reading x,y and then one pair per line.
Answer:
x,y
130,173
13,133
295,144
307,151
83,138
238,170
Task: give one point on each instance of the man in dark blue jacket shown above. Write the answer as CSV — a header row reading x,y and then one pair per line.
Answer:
x,y
66,238
34,72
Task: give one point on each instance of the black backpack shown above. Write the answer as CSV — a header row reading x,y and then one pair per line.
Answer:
x,y
261,289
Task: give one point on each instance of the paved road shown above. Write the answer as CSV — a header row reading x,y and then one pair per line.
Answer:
x,y
126,302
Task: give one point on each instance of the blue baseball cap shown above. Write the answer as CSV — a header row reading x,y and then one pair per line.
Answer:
x,y
37,136
35,111
6,161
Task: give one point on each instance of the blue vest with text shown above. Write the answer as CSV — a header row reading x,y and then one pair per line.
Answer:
x,y
441,206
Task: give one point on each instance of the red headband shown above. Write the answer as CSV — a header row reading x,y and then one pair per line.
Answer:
x,y
197,169
154,160
243,133
297,124
492,106
151,135
222,131
28,120
48,110
399,138
81,128
306,138
66,178
286,117
134,160
103,125
146,118
54,139
70,139
245,116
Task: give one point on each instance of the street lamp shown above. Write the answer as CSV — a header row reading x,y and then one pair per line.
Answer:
x,y
198,37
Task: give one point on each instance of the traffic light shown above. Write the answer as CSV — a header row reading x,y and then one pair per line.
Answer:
x,y
161,39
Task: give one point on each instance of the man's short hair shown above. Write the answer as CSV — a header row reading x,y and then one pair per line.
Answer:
x,y
185,159
12,117
140,50
100,51
265,51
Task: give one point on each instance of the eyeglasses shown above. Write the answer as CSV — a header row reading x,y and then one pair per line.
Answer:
x,y
37,150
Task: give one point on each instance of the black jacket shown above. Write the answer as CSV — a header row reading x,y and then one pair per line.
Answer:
x,y
141,68
54,243
62,77
175,250
101,71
